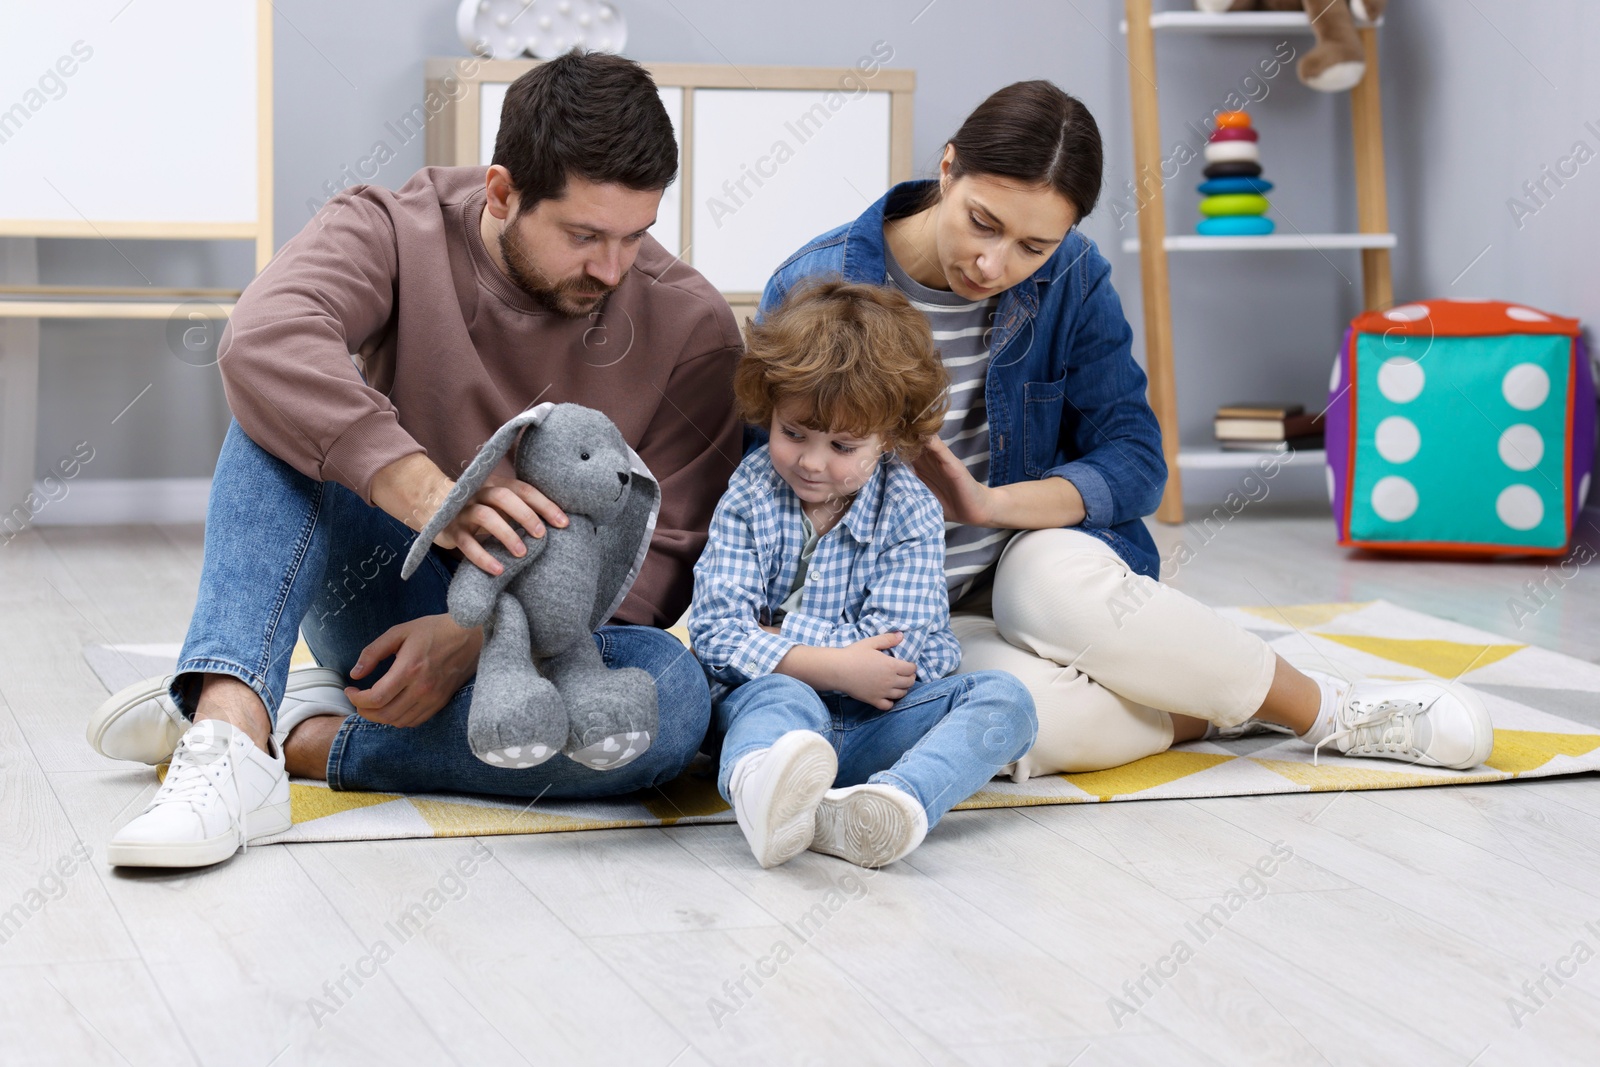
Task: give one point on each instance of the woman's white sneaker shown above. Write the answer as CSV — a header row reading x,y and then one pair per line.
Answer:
x,y
775,792
871,825
221,792
1434,724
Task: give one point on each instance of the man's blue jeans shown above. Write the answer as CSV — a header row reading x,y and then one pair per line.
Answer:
x,y
286,553
940,742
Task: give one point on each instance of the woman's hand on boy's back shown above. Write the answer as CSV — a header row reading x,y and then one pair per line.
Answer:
x,y
1031,505
964,499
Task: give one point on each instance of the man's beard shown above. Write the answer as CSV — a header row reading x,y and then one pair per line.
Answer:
x,y
565,297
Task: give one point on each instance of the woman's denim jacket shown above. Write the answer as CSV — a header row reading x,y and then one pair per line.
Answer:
x,y
1064,394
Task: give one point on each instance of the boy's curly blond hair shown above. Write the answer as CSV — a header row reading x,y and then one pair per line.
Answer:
x,y
851,358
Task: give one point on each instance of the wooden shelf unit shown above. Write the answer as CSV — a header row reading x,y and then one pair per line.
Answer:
x,y
1372,239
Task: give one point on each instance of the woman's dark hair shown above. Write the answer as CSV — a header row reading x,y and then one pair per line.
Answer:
x,y
591,114
1034,133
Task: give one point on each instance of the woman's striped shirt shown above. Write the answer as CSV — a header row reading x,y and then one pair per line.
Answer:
x,y
961,331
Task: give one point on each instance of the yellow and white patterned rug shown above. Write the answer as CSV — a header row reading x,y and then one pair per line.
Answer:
x,y
1546,710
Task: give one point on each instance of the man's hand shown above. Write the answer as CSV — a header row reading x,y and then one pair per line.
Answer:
x,y
433,657
490,513
867,672
412,488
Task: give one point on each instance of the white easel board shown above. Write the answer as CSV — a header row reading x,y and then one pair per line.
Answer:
x,y
138,119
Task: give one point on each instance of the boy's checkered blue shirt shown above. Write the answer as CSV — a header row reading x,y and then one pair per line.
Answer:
x,y
880,569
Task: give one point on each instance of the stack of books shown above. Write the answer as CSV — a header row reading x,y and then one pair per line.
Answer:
x,y
1267,427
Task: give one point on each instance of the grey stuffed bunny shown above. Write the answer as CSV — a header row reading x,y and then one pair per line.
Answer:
x,y
542,686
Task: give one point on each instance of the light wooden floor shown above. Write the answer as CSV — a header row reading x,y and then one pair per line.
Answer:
x,y
1398,933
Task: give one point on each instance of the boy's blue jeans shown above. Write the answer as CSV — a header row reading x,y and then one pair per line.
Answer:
x,y
284,553
940,742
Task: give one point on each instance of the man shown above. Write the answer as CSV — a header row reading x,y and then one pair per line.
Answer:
x,y
365,367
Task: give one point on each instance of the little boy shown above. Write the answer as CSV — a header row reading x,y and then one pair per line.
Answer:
x,y
820,607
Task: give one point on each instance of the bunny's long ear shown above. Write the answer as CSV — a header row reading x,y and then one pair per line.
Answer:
x,y
471,481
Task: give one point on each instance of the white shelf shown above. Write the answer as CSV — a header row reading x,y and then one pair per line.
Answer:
x,y
1272,242
1237,23
1215,458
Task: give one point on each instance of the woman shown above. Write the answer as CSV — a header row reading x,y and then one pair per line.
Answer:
x,y
1050,456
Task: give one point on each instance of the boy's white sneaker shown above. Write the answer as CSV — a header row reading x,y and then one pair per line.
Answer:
x,y
141,723
871,825
1434,724
221,792
775,793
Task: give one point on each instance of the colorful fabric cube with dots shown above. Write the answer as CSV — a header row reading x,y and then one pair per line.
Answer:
x,y
1461,427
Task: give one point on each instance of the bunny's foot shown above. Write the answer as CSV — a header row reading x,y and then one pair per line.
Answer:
x,y
520,732
611,714
517,718
611,718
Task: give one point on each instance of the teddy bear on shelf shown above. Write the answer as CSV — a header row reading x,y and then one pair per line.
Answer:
x,y
542,685
1337,62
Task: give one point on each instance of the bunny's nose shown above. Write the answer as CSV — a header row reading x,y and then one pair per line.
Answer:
x,y
622,476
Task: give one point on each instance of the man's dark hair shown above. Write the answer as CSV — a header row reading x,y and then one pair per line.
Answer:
x,y
589,114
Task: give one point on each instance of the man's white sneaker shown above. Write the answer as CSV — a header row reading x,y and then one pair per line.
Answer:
x,y
1435,724
775,793
311,691
140,723
871,825
221,792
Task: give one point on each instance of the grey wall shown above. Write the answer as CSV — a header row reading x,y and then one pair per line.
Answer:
x,y
1476,105
1477,97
